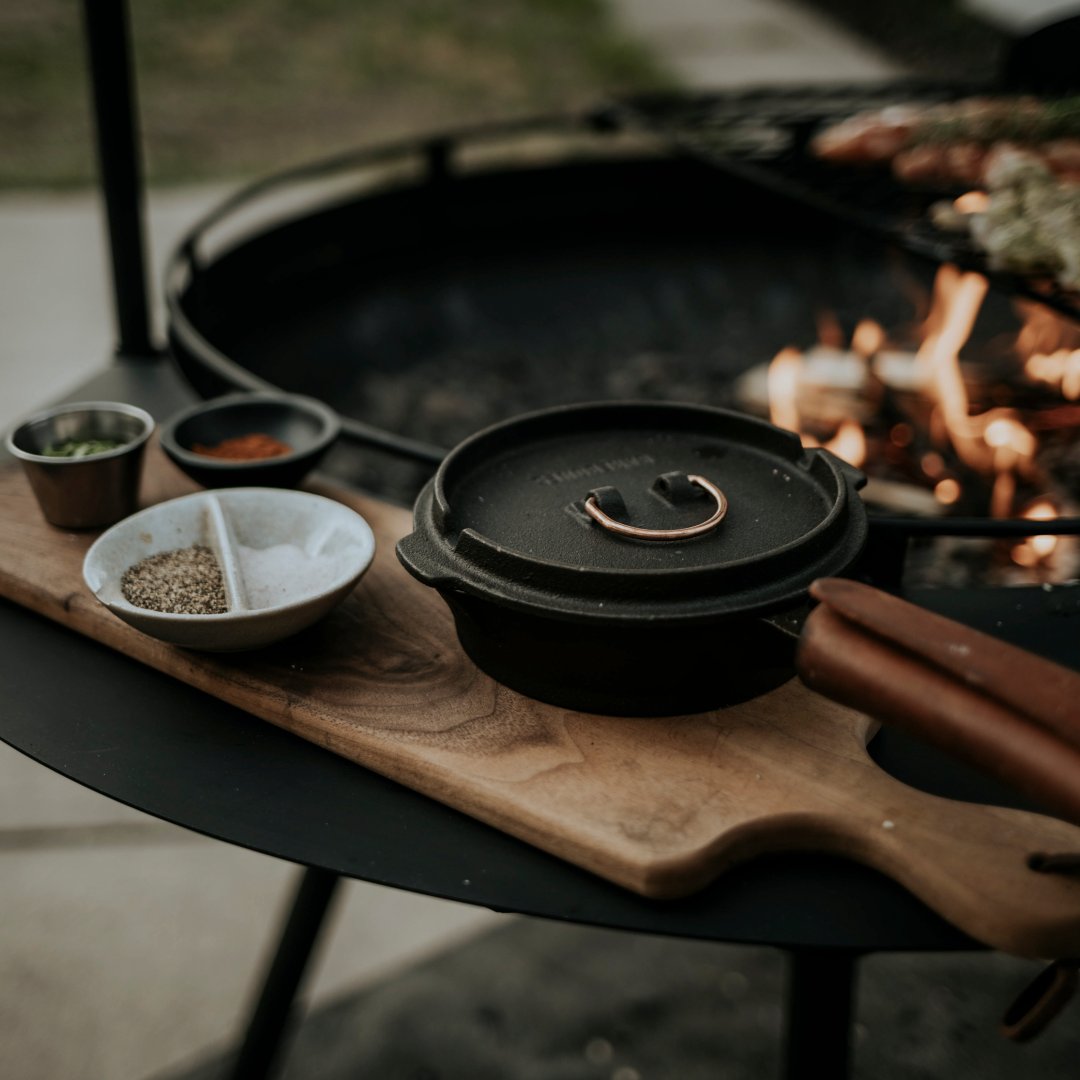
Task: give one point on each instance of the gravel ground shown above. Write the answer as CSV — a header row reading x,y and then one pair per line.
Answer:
x,y
545,1001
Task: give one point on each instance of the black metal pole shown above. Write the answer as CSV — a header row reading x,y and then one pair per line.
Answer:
x,y
270,1018
819,1012
112,84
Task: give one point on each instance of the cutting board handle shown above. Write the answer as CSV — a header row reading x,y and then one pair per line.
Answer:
x,y
973,864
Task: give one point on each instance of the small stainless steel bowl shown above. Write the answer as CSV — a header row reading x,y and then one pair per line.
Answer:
x,y
86,492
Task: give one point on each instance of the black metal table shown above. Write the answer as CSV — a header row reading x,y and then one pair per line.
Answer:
x,y
187,758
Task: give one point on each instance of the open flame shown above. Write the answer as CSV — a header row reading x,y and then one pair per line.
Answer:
x,y
1060,369
784,379
949,441
784,374
1050,350
849,443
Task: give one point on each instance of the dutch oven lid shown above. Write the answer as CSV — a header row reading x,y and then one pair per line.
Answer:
x,y
504,517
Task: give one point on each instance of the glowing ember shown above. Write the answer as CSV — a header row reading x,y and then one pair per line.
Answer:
x,y
1037,549
998,433
933,464
947,491
972,202
902,435
867,338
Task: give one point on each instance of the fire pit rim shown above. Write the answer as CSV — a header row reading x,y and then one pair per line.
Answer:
x,y
183,267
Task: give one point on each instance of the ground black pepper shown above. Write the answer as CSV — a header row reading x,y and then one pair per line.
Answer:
x,y
186,581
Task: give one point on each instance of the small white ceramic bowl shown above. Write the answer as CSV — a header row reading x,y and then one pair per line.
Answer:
x,y
287,559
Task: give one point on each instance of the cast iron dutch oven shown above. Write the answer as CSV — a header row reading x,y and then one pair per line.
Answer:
x,y
634,558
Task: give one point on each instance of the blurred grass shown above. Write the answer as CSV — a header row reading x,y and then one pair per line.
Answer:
x,y
231,88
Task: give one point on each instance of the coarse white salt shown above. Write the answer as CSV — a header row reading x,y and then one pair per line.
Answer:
x,y
285,573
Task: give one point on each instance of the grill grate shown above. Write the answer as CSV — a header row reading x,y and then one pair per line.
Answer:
x,y
763,136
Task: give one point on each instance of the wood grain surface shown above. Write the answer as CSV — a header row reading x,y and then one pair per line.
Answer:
x,y
660,806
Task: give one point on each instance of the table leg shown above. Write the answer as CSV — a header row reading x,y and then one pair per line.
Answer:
x,y
270,1016
819,1012
112,80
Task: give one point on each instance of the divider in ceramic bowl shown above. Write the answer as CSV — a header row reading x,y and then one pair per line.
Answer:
x,y
287,559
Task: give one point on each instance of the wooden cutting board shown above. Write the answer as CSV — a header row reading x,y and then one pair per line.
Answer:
x,y
660,806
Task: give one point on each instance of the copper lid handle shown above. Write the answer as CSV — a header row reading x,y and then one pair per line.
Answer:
x,y
638,533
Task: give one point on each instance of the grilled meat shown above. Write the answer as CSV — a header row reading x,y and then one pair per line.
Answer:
x,y
950,144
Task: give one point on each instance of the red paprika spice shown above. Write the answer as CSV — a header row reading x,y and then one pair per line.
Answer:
x,y
245,447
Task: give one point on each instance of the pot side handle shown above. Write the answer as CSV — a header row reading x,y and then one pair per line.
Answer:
x,y
415,554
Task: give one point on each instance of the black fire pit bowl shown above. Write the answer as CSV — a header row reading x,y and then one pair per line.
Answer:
x,y
559,605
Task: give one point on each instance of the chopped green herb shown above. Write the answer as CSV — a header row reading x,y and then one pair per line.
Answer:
x,y
1022,120
81,447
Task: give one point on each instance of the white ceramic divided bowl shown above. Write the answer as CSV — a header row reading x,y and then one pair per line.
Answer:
x,y
288,558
